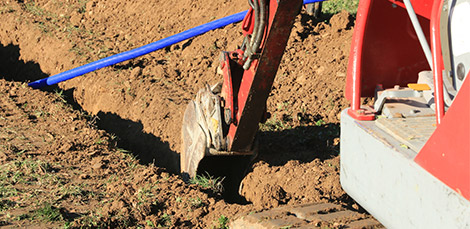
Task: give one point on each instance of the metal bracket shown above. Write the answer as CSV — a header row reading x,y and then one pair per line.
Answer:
x,y
396,92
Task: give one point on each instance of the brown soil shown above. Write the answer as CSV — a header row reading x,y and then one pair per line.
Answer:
x,y
103,149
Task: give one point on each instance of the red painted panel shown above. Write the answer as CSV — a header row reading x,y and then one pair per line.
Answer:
x,y
385,49
446,154
353,80
421,7
437,61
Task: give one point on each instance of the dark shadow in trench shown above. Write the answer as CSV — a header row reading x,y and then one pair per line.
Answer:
x,y
12,68
303,143
148,148
130,135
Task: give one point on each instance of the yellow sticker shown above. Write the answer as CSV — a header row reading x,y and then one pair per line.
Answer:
x,y
215,124
419,86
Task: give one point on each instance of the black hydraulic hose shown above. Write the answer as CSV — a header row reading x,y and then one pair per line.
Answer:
x,y
261,27
256,26
258,31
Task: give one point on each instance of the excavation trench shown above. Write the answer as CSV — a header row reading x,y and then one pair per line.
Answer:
x,y
129,135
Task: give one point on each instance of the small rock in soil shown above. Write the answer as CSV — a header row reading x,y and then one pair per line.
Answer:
x,y
137,71
84,176
340,21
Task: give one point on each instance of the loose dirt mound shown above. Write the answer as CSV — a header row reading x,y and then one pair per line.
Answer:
x,y
305,104
138,107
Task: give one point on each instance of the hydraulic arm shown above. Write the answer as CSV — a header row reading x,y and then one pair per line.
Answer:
x,y
223,119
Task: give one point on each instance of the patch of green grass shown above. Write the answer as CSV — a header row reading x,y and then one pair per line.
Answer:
x,y
129,92
6,204
33,166
222,222
6,9
81,52
18,177
33,8
48,213
150,223
82,6
336,6
45,166
48,26
102,52
43,27
26,171
196,202
320,122
100,141
146,194
274,124
70,29
71,190
178,199
165,220
123,151
22,216
91,221
132,165
9,175
113,137
208,181
112,178
41,113
7,190
283,106
59,94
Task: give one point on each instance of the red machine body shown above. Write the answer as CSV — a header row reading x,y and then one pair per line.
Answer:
x,y
407,168
385,50
446,155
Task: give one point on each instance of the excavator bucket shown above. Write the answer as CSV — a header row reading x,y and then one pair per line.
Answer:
x,y
202,131
204,144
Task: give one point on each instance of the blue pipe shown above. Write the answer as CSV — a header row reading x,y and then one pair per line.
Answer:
x,y
93,66
312,1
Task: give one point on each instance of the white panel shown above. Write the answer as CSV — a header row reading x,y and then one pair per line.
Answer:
x,y
383,178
